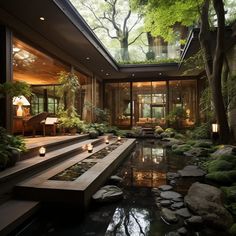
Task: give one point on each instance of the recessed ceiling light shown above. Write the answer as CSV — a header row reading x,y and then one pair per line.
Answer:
x,y
41,18
87,58
102,70
159,73
133,75
107,74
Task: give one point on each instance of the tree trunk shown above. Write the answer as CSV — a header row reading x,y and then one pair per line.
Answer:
x,y
124,51
214,63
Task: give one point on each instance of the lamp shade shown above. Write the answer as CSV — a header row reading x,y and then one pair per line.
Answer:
x,y
20,100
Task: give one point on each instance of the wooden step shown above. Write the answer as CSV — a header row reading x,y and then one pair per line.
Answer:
x,y
14,213
43,187
50,143
26,168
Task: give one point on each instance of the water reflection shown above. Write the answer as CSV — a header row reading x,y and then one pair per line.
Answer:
x,y
148,165
133,221
137,213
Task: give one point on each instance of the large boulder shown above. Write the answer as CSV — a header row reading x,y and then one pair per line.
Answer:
x,y
191,171
224,150
206,201
108,193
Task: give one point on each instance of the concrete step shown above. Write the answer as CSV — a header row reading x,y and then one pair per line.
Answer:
x,y
14,213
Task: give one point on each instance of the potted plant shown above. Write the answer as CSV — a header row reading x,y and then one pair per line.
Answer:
x,y
71,122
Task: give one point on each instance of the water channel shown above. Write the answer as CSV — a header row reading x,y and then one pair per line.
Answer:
x,y
135,215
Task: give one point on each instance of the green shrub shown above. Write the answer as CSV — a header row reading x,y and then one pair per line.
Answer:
x,y
222,177
202,132
233,230
219,165
230,193
229,158
180,149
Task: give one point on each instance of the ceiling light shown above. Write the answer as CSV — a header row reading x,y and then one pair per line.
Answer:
x,y
159,73
87,58
41,18
133,75
102,70
107,74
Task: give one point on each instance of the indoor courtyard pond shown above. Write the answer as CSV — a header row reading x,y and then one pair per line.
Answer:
x,y
149,166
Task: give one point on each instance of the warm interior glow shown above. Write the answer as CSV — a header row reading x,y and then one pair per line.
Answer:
x,y
20,101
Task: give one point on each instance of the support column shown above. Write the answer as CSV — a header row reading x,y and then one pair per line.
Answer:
x,y
6,75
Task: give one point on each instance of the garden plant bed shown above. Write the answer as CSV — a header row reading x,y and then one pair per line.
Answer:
x,y
73,172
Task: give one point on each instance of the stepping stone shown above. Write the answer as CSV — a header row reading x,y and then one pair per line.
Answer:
x,y
165,202
108,193
170,195
177,200
182,231
116,179
191,171
172,175
194,221
158,199
184,212
168,216
165,187
155,190
177,205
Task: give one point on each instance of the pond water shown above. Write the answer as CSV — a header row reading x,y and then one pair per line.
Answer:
x,y
135,215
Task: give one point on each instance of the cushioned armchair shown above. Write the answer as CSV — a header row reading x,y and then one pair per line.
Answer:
x,y
34,122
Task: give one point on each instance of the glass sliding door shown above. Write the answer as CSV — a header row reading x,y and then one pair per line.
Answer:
x,y
118,102
149,99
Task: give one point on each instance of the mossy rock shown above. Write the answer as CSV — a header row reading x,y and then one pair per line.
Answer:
x,y
230,193
229,158
180,149
222,177
233,230
169,130
219,165
159,130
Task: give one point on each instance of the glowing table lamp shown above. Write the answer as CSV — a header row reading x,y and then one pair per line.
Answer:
x,y
20,101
